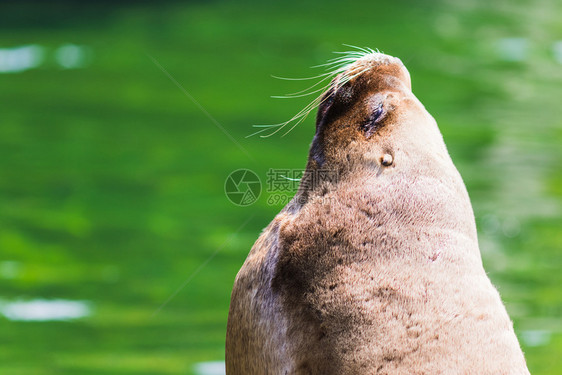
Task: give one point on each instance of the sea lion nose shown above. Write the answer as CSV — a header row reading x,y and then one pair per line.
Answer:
x,y
397,69
391,65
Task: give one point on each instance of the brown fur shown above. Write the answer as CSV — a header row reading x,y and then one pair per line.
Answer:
x,y
379,271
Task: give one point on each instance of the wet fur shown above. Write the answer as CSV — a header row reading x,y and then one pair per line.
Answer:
x,y
379,271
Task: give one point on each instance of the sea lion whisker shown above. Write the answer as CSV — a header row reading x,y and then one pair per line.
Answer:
x,y
337,60
338,63
356,47
352,54
366,50
299,117
255,133
265,127
297,95
346,54
299,121
303,78
320,100
327,75
303,92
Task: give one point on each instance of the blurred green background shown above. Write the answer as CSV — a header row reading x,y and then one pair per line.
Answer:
x,y
113,208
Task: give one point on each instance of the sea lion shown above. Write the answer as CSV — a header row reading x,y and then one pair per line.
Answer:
x,y
377,271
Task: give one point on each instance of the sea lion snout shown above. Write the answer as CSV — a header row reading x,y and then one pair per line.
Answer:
x,y
382,64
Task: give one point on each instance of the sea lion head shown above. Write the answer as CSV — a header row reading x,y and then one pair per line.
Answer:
x,y
369,117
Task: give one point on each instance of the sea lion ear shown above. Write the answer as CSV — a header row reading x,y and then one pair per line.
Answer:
x,y
325,103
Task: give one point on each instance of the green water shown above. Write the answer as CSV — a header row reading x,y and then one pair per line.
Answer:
x,y
112,178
